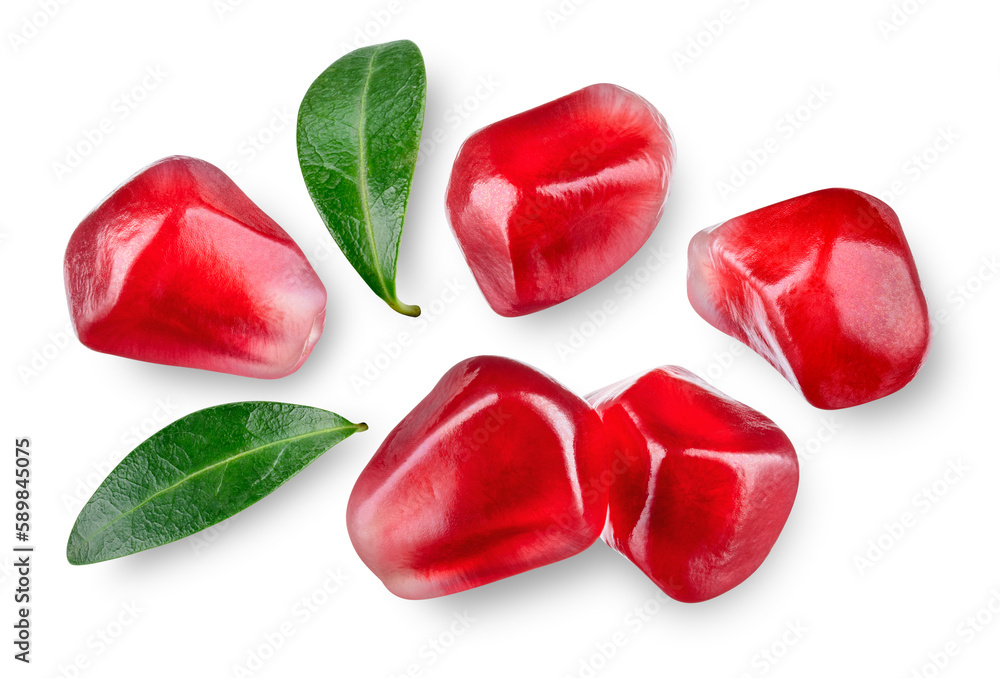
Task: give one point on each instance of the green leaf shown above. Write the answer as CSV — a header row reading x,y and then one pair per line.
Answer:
x,y
198,471
358,136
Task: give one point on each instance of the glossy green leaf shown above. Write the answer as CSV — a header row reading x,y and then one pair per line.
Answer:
x,y
198,471
358,136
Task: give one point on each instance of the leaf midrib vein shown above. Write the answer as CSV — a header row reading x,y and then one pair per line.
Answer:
x,y
363,172
206,470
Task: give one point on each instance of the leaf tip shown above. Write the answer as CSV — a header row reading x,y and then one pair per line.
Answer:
x,y
362,427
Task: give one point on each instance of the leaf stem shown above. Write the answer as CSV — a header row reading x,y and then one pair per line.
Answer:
x,y
406,309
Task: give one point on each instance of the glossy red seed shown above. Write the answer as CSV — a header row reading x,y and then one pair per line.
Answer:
x,y
824,287
702,485
495,472
178,266
549,202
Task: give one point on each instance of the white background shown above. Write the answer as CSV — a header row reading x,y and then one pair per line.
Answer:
x,y
204,606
